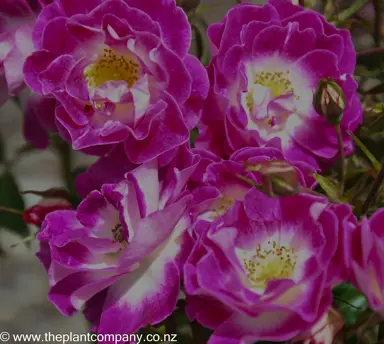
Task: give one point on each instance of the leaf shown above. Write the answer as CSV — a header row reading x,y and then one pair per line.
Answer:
x,y
10,197
351,10
351,303
375,163
328,186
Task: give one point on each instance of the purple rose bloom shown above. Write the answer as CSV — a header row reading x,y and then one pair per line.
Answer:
x,y
367,259
263,274
16,21
267,63
220,189
121,74
348,224
119,256
112,167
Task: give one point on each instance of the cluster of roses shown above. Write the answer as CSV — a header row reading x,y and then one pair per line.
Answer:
x,y
114,78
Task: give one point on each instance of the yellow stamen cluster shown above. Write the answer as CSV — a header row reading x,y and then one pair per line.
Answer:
x,y
278,82
112,67
270,263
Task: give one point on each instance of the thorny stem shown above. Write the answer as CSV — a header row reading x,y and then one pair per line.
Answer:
x,y
374,190
342,159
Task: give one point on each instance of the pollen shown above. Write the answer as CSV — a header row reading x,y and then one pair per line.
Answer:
x,y
278,82
112,67
270,261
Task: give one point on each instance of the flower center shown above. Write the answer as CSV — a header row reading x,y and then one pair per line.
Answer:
x,y
278,82
118,236
270,262
112,67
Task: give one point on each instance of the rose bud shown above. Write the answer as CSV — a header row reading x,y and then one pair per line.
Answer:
x,y
51,200
36,214
329,101
279,178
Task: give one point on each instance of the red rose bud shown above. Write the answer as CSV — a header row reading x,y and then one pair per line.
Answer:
x,y
279,178
35,215
51,200
329,101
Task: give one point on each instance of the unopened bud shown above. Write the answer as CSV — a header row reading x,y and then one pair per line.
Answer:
x,y
279,178
329,101
35,215
51,200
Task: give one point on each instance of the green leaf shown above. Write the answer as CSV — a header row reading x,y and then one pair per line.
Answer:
x,y
350,11
328,186
375,163
351,303
10,197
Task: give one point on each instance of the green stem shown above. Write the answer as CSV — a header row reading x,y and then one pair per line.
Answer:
x,y
374,190
11,210
342,159
350,11
24,241
65,154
